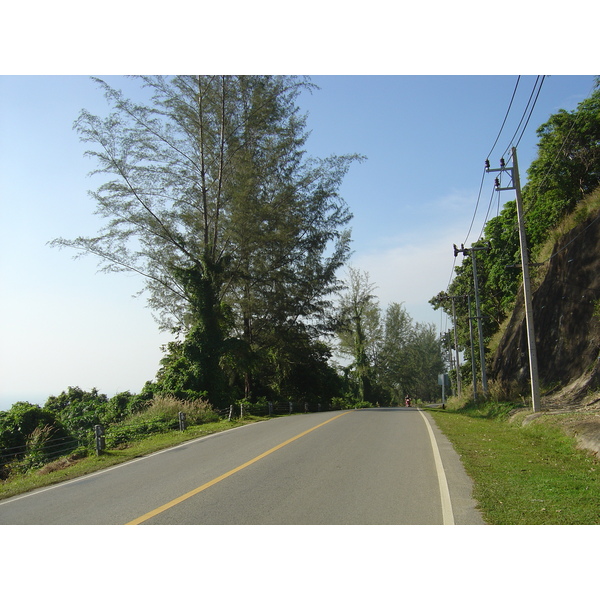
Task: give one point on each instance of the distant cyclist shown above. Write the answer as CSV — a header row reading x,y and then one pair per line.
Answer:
x,y
407,400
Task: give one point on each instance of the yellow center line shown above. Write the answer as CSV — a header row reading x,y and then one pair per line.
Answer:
x,y
176,501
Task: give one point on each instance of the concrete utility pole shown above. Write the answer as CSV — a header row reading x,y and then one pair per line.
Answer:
x,y
516,185
473,368
466,252
458,377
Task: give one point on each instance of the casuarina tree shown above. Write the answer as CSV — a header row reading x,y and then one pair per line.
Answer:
x,y
207,194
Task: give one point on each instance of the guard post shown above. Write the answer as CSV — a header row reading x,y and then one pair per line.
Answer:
x,y
99,439
182,421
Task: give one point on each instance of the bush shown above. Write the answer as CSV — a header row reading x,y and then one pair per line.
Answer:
x,y
161,415
30,436
79,410
20,422
340,404
349,403
135,428
168,407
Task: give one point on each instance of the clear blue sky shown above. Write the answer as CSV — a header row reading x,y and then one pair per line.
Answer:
x,y
425,138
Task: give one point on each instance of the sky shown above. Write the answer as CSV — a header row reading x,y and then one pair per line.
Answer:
x,y
425,137
422,95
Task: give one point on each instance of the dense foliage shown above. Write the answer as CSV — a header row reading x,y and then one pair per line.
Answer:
x,y
566,169
31,436
30,432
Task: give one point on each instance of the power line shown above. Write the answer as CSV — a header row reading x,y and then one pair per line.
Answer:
x,y
476,206
489,153
505,116
533,91
485,221
531,111
535,86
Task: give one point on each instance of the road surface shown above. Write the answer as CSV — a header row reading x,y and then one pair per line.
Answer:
x,y
360,467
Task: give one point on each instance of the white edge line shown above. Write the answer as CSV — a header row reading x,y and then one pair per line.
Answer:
x,y
447,514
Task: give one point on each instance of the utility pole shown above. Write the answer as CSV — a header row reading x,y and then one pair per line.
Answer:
x,y
473,368
458,378
466,252
516,185
441,297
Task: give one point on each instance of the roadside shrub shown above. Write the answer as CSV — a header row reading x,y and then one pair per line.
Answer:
x,y
260,407
79,410
361,404
168,407
43,445
117,407
340,404
161,415
136,428
505,391
27,428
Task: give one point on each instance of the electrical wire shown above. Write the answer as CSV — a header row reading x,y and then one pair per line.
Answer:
x,y
533,91
526,115
476,206
488,156
531,111
485,221
505,117
557,155
484,172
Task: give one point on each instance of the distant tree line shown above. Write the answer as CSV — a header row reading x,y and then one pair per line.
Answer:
x,y
391,356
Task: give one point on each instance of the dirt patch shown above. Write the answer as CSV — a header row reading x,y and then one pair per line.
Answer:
x,y
59,465
586,429
583,425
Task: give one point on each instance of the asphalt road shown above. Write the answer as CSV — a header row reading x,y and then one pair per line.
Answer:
x,y
363,467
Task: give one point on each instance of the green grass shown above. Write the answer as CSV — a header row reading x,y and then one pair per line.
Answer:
x,y
531,475
69,469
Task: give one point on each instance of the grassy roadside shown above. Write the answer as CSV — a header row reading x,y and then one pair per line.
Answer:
x,y
524,475
65,469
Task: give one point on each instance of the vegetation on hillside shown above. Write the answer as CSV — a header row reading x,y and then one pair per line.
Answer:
x,y
560,181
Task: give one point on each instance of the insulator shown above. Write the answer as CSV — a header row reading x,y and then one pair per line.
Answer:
x,y
487,163
497,182
502,163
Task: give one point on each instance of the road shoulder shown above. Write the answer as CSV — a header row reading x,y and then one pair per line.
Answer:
x,y
464,507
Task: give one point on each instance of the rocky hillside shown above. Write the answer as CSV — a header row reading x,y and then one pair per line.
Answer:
x,y
566,307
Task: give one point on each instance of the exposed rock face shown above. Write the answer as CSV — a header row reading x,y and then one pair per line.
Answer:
x,y
566,319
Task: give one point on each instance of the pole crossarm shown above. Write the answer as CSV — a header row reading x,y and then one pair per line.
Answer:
x,y
503,169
